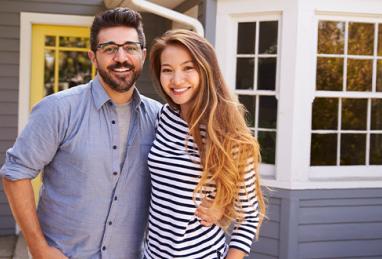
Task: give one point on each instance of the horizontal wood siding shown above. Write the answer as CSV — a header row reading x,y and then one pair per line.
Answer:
x,y
339,226
267,247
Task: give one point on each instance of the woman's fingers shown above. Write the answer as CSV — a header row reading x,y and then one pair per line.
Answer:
x,y
208,216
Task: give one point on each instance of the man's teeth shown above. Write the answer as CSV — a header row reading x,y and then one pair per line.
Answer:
x,y
122,69
180,90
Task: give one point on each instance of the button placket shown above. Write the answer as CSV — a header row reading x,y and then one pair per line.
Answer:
x,y
115,173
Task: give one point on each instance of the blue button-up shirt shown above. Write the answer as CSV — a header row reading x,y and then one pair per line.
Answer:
x,y
88,207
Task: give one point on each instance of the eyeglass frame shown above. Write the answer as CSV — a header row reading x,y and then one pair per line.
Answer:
x,y
100,45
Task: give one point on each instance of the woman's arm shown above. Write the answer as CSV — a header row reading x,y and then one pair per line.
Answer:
x,y
245,228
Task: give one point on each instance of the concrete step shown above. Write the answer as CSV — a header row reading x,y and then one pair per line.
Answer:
x,y
20,251
7,246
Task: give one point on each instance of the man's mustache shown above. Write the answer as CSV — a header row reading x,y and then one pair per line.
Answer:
x,y
121,65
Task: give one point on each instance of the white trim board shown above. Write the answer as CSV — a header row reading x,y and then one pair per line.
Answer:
x,y
26,22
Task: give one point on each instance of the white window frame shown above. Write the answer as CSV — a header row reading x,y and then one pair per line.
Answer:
x,y
267,170
353,172
298,52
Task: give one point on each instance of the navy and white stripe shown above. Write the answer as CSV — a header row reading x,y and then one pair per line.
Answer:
x,y
174,231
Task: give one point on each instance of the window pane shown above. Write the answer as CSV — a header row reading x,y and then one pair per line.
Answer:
x,y
76,42
329,74
49,72
376,149
325,113
361,38
267,112
75,69
379,76
331,37
244,73
354,112
50,41
266,74
268,37
353,148
246,38
359,75
249,101
323,149
376,114
380,40
267,142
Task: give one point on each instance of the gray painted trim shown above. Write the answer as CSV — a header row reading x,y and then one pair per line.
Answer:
x,y
186,5
208,19
288,227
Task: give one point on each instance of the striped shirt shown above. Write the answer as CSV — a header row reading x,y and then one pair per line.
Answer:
x,y
174,231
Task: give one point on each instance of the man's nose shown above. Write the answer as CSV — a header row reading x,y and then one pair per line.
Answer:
x,y
121,55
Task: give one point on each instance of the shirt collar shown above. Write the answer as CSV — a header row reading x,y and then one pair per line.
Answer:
x,y
100,96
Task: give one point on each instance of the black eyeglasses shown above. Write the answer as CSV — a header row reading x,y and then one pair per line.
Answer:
x,y
111,48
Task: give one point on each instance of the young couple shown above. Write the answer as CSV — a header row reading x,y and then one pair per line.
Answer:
x,y
93,143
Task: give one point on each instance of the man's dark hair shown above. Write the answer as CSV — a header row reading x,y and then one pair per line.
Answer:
x,y
117,17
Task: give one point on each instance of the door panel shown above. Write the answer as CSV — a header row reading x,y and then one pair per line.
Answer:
x,y
59,61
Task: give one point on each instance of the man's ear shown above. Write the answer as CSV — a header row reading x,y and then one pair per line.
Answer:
x,y
92,57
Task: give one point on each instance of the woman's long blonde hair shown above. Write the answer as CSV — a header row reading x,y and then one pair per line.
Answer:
x,y
229,143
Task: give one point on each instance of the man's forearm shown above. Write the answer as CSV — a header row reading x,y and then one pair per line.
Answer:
x,y
21,200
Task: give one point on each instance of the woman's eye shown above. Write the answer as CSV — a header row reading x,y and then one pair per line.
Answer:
x,y
165,70
189,68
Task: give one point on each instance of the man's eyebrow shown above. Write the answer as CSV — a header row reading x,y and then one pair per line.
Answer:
x,y
107,42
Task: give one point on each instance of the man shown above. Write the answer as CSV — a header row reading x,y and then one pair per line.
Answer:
x,y
91,142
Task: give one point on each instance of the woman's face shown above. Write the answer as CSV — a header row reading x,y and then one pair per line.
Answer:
x,y
178,76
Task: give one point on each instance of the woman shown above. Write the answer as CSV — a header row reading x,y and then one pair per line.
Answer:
x,y
202,148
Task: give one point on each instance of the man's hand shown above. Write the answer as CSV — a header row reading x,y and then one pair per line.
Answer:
x,y
208,216
21,200
48,252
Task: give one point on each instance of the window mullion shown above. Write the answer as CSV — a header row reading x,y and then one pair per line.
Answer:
x,y
344,81
339,131
368,126
374,76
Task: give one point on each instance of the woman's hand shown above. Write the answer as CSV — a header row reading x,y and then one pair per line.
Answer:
x,y
234,253
208,216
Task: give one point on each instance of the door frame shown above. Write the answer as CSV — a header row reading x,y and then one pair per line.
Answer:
x,y
26,21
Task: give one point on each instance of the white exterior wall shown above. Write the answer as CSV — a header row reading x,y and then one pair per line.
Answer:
x,y
296,84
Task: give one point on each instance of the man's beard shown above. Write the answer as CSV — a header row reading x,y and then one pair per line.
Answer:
x,y
117,83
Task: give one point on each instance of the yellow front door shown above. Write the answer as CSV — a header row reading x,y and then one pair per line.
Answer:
x,y
59,61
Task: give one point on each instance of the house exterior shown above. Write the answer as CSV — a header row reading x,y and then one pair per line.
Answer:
x,y
309,73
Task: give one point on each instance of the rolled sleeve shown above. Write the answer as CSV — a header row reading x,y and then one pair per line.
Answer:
x,y
245,230
37,143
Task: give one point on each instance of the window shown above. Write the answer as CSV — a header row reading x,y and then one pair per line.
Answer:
x,y
256,80
347,109
73,68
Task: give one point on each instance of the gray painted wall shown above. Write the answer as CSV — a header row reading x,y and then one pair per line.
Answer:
x,y
9,67
322,224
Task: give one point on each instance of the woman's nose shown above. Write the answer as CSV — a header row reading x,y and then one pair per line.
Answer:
x,y
178,78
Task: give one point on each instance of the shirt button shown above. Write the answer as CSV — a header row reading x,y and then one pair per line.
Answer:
x,y
110,223
115,173
113,122
115,198
114,147
103,248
